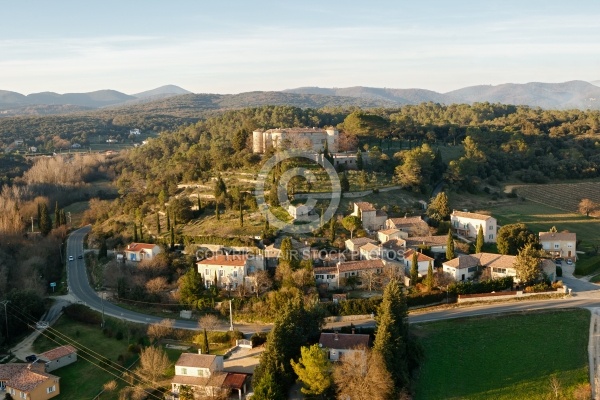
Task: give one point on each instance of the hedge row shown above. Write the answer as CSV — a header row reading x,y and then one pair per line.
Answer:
x,y
491,285
81,313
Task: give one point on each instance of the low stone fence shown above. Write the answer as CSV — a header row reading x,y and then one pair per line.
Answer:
x,y
469,298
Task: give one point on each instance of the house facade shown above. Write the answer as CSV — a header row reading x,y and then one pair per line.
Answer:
x,y
230,270
467,224
336,277
560,244
141,251
354,245
28,381
338,345
372,219
422,261
308,139
59,357
436,244
385,235
413,226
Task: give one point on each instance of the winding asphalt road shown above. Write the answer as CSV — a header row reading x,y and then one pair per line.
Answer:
x,y
585,294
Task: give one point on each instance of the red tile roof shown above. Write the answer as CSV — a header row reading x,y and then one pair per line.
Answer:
x,y
195,360
427,240
557,236
58,352
216,379
343,340
364,206
408,254
140,246
360,265
24,377
403,221
236,260
465,214
235,380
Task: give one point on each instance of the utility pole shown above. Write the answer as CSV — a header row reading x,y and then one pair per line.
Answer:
x,y
4,303
31,224
230,316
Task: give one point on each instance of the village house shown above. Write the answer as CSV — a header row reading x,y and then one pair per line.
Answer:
x,y
230,270
59,357
28,381
422,262
338,345
467,224
141,251
371,219
335,277
204,374
354,245
300,249
435,244
135,131
386,235
370,251
465,267
299,212
560,244
413,226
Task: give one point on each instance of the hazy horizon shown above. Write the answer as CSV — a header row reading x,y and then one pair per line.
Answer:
x,y
237,47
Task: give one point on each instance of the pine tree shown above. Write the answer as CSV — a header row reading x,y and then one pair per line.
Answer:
x,y
332,224
45,221
392,333
135,232
314,370
205,347
158,223
450,246
430,276
479,242
168,222
414,269
56,215
241,214
218,215
359,160
103,252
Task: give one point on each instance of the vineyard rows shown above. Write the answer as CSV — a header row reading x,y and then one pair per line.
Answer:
x,y
564,196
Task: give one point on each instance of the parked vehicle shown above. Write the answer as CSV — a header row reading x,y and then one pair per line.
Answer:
x,y
31,358
71,258
570,262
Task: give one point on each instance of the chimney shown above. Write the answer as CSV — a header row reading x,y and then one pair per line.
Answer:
x,y
353,331
335,336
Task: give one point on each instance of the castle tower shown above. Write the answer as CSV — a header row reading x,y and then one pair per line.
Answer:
x,y
257,142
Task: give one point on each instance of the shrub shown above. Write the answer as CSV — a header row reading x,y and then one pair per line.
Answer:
x,y
559,272
421,299
134,348
258,338
538,287
557,285
81,313
119,335
487,286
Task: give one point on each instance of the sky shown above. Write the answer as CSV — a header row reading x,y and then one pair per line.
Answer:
x,y
240,46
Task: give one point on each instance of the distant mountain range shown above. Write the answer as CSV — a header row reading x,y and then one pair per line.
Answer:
x,y
572,94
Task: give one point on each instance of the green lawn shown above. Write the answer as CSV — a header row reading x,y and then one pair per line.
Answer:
x,y
504,357
84,379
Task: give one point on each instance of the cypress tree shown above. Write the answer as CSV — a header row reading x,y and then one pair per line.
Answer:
x,y
241,214
359,160
103,252
392,333
141,231
430,275
414,269
344,183
45,221
168,222
172,239
63,217
479,242
332,230
450,246
205,348
39,214
135,232
217,211
158,223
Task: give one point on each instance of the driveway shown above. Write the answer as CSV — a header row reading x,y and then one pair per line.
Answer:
x,y
581,288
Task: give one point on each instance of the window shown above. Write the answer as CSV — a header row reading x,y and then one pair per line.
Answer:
x,y
330,276
220,272
235,274
491,228
319,276
491,237
472,269
23,395
556,246
200,372
183,371
206,272
51,389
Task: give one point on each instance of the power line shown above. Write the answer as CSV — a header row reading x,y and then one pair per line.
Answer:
x,y
88,352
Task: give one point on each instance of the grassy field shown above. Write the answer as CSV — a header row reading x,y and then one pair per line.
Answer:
x,y
77,210
540,218
84,379
504,357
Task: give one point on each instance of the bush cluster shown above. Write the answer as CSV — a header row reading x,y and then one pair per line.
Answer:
x,y
81,313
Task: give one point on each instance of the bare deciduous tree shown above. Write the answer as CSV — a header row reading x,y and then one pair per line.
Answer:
x,y
210,322
262,282
587,207
160,330
153,363
363,376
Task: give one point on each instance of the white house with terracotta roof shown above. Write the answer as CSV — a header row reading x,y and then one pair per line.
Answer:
x,y
141,251
354,245
467,225
559,244
422,261
28,381
335,277
371,218
370,251
230,270
59,357
413,226
338,345
204,374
